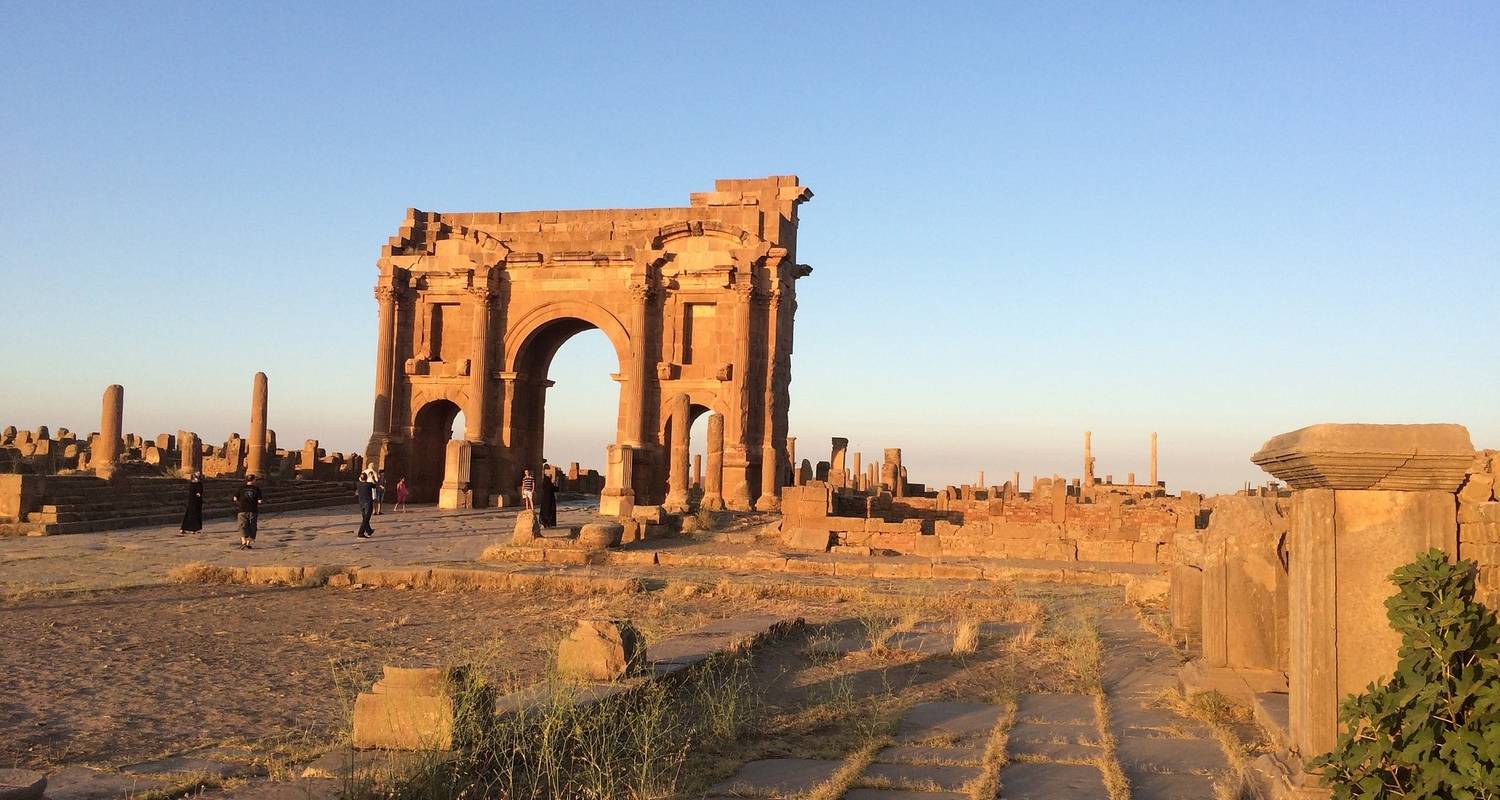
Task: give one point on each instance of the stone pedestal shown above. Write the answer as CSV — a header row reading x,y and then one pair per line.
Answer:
x,y
456,491
618,498
407,709
1366,500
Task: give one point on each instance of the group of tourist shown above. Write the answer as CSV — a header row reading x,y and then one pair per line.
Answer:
x,y
539,496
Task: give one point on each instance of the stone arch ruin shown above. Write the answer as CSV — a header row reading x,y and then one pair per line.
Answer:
x,y
698,303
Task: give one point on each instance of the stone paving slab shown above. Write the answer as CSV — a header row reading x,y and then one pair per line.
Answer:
x,y
777,776
193,765
82,783
1073,708
1042,732
920,754
918,776
968,723
1139,754
1052,751
930,643
1162,786
1028,781
901,794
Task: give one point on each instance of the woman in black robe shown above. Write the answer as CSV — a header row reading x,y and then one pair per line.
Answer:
x,y
546,501
192,518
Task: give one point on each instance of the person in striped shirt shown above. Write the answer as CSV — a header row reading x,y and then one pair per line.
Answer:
x,y
528,489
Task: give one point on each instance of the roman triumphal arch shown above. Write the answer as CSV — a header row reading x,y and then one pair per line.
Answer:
x,y
698,303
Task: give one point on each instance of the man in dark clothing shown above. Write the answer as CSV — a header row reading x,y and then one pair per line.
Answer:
x,y
546,501
247,503
365,489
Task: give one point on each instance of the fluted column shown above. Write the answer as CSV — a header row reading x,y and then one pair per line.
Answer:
x,y
677,475
476,423
737,435
773,422
385,359
637,372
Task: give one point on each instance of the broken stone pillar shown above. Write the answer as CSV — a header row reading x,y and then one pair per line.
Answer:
x,y
1366,499
1088,459
111,418
836,462
697,470
890,472
601,650
713,479
456,490
255,463
407,709
677,473
618,497
1243,596
1185,602
308,463
1154,482
528,527
791,460
1130,479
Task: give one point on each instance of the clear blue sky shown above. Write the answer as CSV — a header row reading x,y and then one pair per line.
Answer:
x,y
1219,223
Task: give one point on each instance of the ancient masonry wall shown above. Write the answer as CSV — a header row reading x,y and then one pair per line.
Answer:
x,y
1479,524
1054,527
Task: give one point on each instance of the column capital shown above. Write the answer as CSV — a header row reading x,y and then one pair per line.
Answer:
x,y
484,295
388,293
1407,458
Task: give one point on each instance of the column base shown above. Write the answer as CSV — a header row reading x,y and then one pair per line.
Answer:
x,y
712,502
616,502
458,496
768,502
677,503
1238,684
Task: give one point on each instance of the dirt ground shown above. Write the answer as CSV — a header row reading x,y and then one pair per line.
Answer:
x,y
115,678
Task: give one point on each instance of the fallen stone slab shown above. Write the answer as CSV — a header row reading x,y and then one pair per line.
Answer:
x,y
926,777
22,784
778,777
1033,781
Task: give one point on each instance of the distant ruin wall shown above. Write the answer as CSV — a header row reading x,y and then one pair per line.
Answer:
x,y
1479,524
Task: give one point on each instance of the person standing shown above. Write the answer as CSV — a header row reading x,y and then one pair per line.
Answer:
x,y
379,477
528,489
247,505
402,492
546,501
365,490
192,517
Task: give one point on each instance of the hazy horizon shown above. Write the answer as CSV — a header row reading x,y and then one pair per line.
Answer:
x,y
1218,224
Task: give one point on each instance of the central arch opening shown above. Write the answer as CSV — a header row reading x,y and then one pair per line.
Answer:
x,y
567,407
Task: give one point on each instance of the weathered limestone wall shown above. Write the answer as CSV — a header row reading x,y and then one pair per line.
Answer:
x,y
1479,524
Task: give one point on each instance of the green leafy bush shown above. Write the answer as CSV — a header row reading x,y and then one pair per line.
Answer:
x,y
1434,729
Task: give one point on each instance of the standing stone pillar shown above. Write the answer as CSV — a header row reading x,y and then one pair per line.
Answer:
x,y
618,497
637,373
385,358
774,391
791,461
1088,459
255,463
479,368
677,473
697,471
457,490
111,419
737,458
890,473
855,471
836,461
1154,482
713,480
1366,500
190,450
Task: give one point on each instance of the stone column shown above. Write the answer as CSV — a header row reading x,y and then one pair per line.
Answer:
x,y
190,449
677,468
1154,482
255,460
856,472
456,491
890,472
111,419
479,368
737,455
1088,459
713,480
618,497
697,471
637,372
836,461
1366,500
385,358
773,421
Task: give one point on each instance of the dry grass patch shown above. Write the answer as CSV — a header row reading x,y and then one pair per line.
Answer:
x,y
966,636
204,573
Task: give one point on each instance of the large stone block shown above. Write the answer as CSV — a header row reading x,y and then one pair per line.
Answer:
x,y
1352,456
809,539
408,709
601,650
